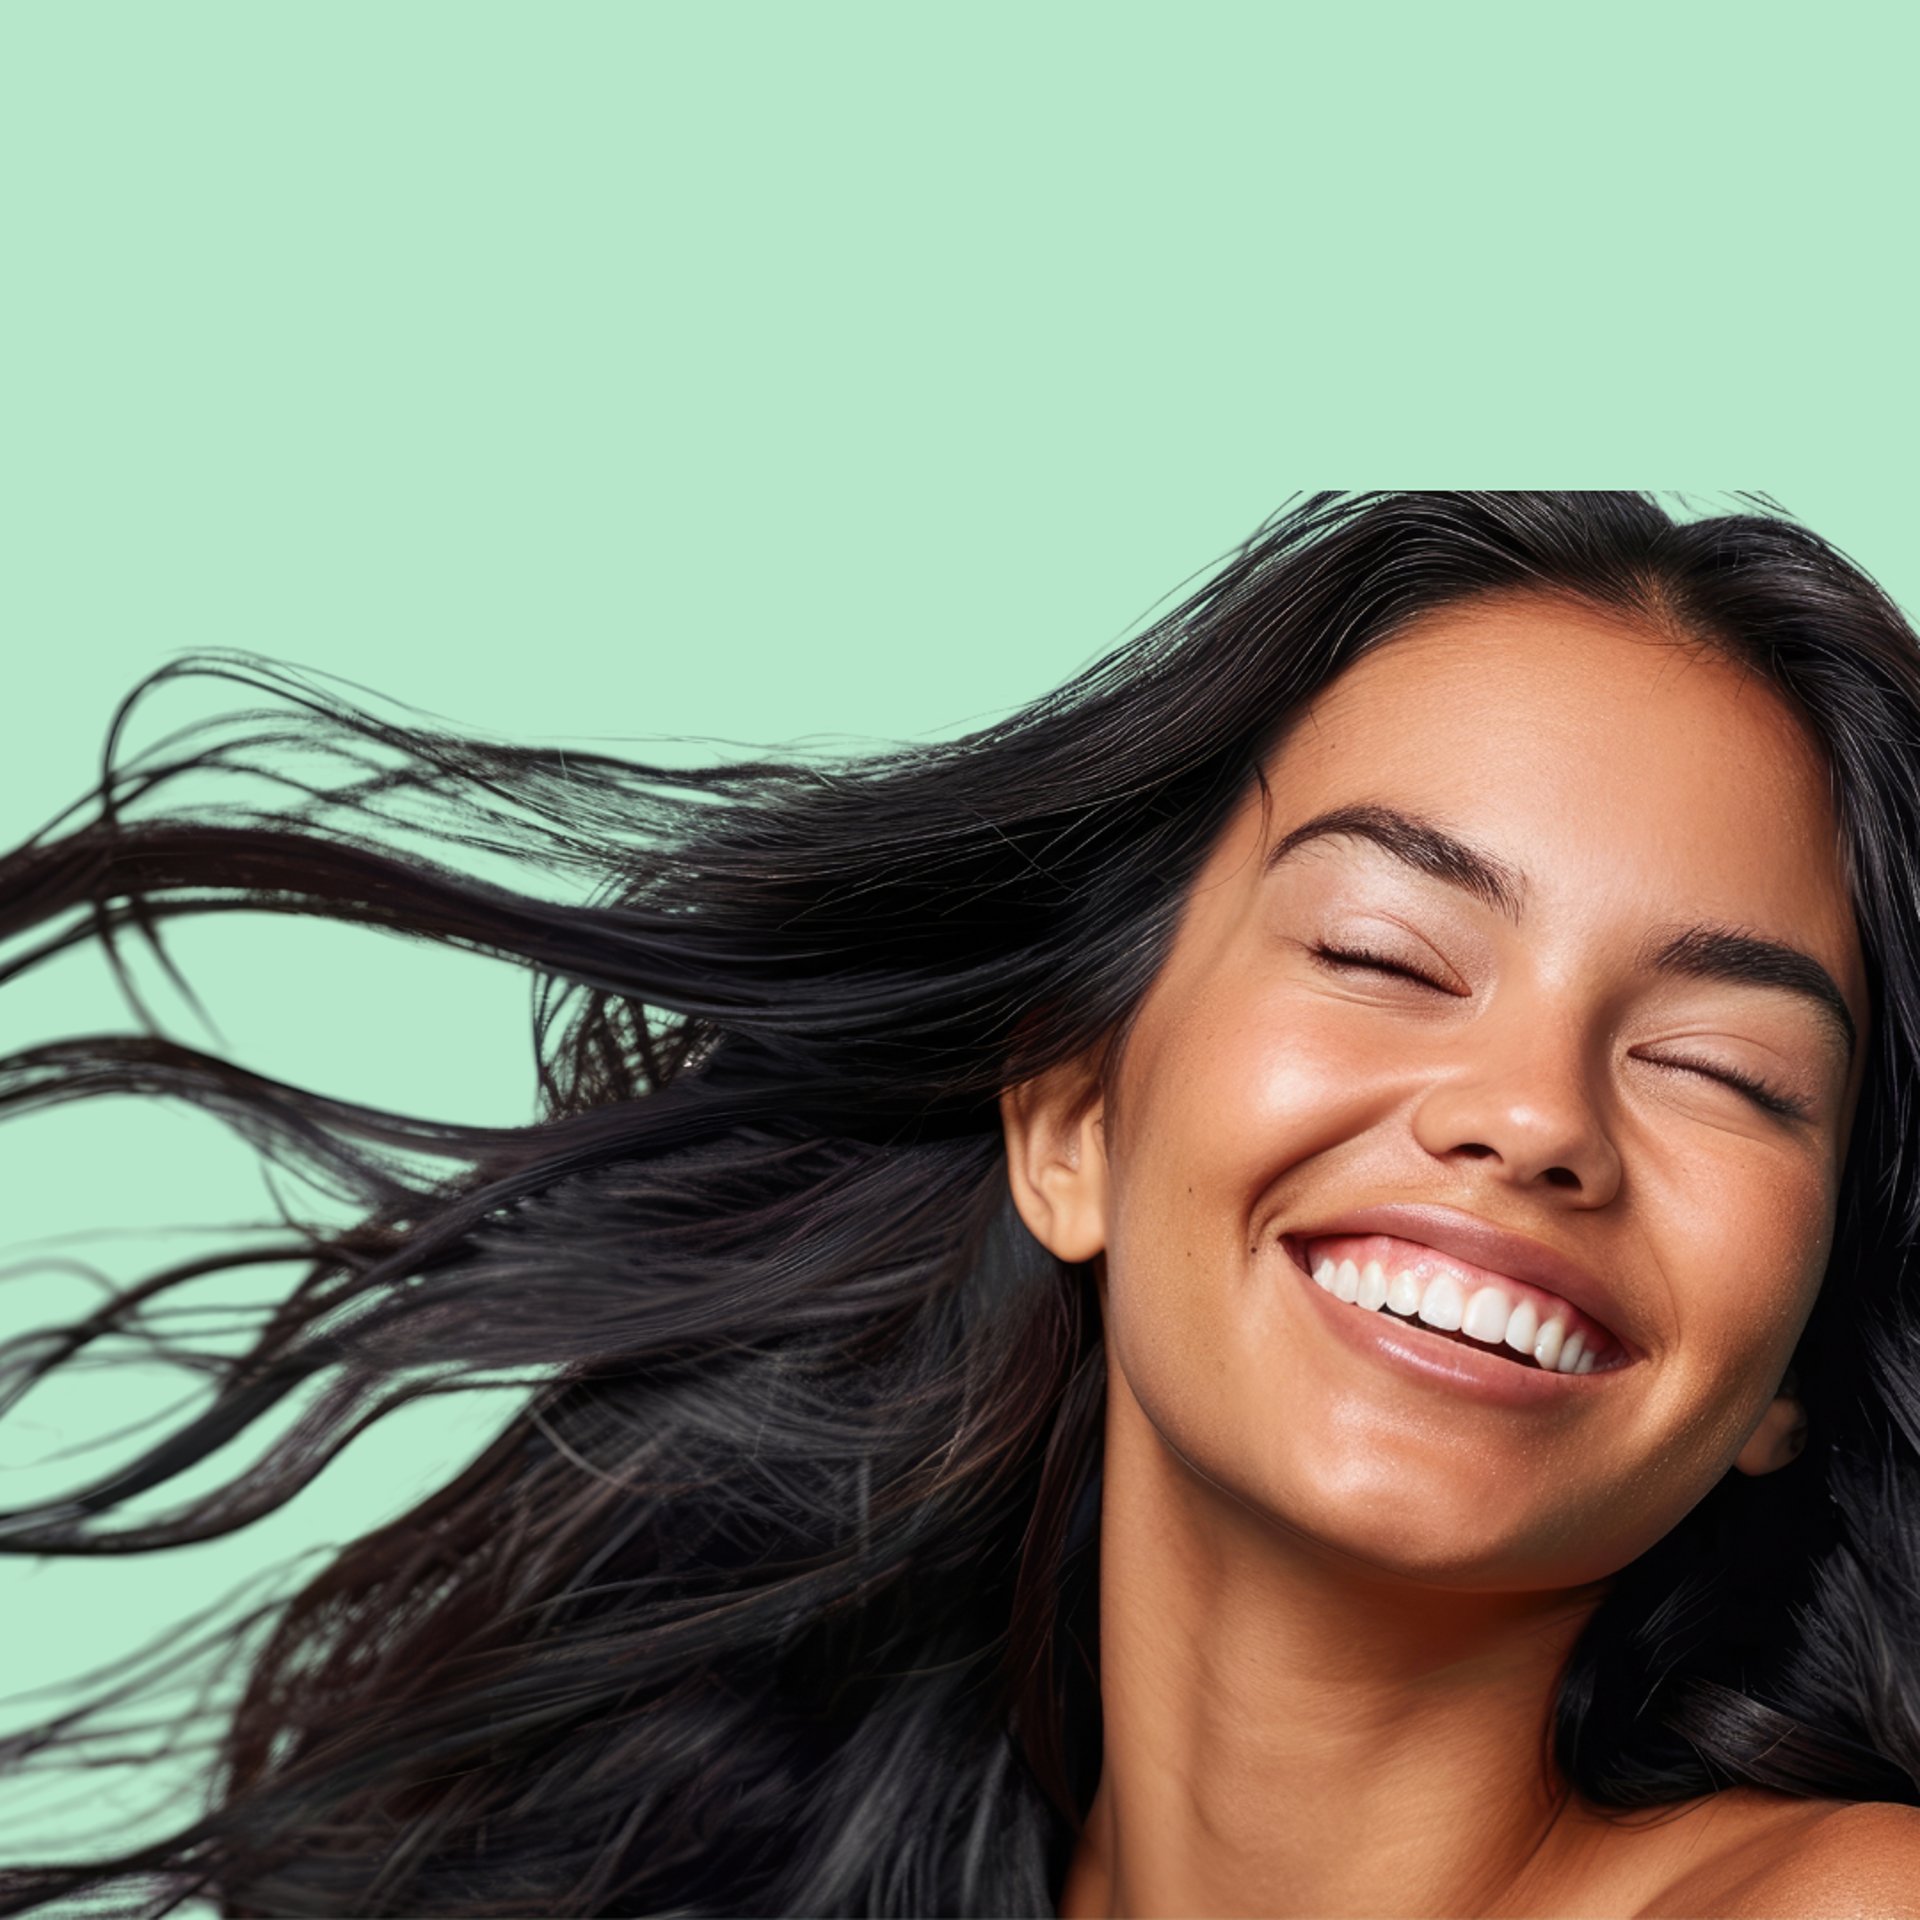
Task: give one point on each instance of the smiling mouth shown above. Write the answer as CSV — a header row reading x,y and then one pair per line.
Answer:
x,y
1433,1295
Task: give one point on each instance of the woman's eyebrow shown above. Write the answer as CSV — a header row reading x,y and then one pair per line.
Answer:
x,y
1711,952
1702,951
1420,843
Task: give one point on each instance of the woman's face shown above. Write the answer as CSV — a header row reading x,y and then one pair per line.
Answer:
x,y
1548,1041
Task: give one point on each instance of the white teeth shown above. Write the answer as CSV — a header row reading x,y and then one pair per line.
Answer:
x,y
1487,1315
1546,1343
1522,1327
1441,1305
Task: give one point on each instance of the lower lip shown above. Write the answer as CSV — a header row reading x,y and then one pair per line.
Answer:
x,y
1409,1348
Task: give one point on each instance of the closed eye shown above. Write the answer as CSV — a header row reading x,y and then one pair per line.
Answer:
x,y
1771,1098
1347,958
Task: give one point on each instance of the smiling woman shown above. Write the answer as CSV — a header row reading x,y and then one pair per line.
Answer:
x,y
1529,1050
1284,1284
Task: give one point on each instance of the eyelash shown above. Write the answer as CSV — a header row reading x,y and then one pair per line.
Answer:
x,y
1758,1091
1333,957
1771,1099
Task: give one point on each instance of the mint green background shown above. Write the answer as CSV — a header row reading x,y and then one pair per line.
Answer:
x,y
770,372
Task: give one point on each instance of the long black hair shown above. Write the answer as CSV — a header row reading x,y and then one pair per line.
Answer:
x,y
776,1593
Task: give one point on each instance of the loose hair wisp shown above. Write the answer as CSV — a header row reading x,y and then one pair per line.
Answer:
x,y
776,1594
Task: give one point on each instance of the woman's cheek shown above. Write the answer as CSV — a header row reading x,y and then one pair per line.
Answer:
x,y
1768,1262
1314,1073
1736,1225
1225,1108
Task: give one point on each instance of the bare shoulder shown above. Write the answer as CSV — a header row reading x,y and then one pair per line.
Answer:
x,y
1851,1860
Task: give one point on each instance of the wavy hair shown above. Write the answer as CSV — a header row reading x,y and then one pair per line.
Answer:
x,y
777,1593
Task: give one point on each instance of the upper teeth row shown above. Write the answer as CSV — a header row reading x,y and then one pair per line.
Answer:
x,y
1488,1316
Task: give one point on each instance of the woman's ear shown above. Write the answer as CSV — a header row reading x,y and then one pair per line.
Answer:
x,y
1055,1128
1781,1434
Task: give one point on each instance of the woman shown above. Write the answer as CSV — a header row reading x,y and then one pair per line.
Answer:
x,y
1280,1285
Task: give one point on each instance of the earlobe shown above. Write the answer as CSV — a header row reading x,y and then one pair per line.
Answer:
x,y
1054,1126
1780,1437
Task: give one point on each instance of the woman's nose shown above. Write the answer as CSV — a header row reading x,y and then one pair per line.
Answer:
x,y
1524,1104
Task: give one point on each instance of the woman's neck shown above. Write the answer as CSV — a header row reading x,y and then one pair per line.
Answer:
x,y
1289,1731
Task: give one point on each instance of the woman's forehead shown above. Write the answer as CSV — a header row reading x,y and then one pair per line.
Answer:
x,y
1527,675
1552,715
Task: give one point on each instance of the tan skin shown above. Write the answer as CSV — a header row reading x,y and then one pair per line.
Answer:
x,y
1335,1599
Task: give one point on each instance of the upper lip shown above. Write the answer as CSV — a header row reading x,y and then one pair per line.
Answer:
x,y
1467,1237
